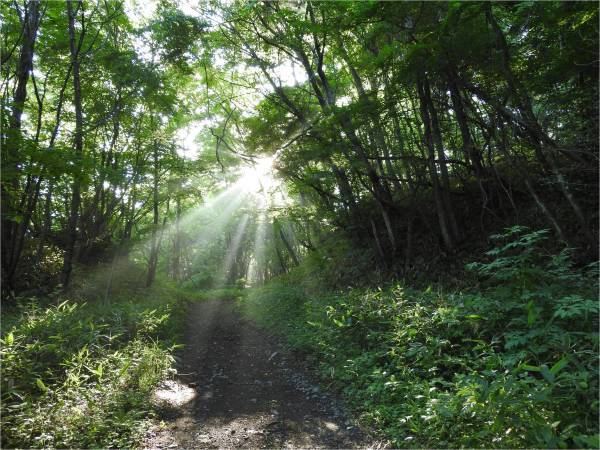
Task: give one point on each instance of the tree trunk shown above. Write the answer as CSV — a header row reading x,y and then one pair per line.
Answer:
x,y
153,260
539,139
471,154
47,223
378,244
177,241
524,174
439,145
408,249
375,131
10,152
279,254
437,190
287,244
76,187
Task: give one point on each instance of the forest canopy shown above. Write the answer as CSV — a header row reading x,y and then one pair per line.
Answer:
x,y
399,125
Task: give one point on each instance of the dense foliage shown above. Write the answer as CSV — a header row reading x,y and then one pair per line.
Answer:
x,y
80,375
513,364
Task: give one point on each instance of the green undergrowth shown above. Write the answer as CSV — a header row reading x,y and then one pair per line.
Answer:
x,y
513,363
227,293
78,371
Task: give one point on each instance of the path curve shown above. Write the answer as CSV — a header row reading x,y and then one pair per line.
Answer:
x,y
237,387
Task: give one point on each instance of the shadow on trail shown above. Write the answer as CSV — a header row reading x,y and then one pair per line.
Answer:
x,y
237,388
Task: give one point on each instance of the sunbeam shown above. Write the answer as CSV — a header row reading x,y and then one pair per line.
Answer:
x,y
253,193
258,258
233,249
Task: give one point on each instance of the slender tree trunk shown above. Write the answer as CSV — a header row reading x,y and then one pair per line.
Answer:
x,y
528,184
539,139
29,199
19,238
439,145
326,98
76,186
279,254
471,154
47,223
545,210
408,249
177,241
375,130
378,246
153,260
10,152
437,190
391,232
286,242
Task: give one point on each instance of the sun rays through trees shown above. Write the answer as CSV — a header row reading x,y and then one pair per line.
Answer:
x,y
312,157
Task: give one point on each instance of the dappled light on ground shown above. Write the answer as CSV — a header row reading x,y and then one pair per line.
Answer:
x,y
250,392
174,394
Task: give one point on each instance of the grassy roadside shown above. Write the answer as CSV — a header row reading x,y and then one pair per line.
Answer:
x,y
79,372
513,363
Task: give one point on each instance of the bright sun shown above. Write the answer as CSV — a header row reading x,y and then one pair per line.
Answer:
x,y
258,177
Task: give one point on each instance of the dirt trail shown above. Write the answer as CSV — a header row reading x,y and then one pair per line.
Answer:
x,y
238,388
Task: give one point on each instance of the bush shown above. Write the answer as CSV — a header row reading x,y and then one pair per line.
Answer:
x,y
81,374
513,364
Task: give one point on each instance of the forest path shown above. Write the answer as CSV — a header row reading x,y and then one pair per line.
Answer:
x,y
237,387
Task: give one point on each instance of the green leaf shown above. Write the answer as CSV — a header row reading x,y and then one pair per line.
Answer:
x,y
531,313
529,368
474,317
590,441
548,376
10,339
124,369
98,372
559,365
339,323
40,384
